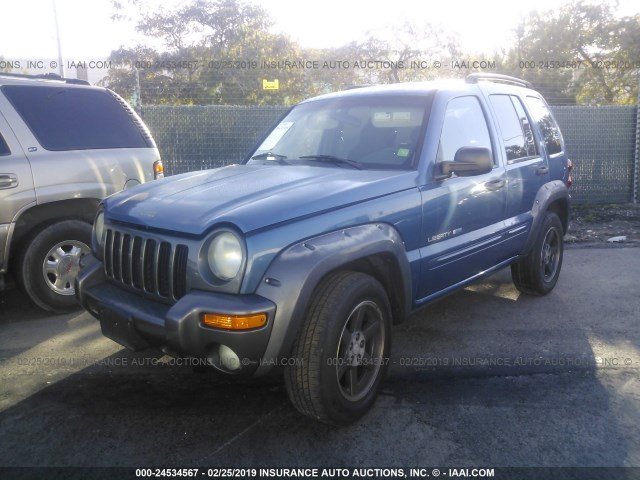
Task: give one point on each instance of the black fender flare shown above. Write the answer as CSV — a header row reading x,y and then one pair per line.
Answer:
x,y
549,194
293,276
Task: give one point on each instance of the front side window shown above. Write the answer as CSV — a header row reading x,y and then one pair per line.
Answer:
x,y
464,126
67,118
547,124
370,132
517,136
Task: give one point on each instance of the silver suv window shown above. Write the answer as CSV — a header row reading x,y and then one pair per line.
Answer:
x,y
4,149
66,118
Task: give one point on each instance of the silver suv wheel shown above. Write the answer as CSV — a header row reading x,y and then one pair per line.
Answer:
x,y
62,264
49,263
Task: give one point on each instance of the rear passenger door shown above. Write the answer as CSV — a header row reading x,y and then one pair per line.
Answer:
x,y
16,182
550,137
526,165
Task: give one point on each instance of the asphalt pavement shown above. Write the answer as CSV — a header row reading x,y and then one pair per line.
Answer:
x,y
486,377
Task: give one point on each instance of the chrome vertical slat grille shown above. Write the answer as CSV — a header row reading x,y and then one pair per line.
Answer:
x,y
116,256
164,269
125,255
149,263
136,262
180,271
143,264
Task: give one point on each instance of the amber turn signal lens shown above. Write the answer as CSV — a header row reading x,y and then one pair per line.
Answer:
x,y
158,169
234,322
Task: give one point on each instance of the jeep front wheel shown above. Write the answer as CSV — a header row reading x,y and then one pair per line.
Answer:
x,y
50,262
538,272
341,352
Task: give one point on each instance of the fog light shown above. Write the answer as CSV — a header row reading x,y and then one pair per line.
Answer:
x,y
234,322
228,358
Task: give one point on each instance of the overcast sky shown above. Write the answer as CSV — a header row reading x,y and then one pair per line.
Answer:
x,y
87,32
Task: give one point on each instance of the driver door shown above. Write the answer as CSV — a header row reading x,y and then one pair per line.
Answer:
x,y
463,215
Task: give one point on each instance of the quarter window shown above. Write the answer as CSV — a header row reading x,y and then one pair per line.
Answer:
x,y
517,136
547,124
464,126
4,148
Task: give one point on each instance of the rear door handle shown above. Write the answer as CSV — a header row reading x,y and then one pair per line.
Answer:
x,y
8,180
494,185
542,170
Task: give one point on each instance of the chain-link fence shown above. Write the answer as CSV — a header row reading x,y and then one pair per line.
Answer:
x,y
601,142
197,138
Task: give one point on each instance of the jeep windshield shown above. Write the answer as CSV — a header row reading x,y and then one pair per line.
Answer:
x,y
361,131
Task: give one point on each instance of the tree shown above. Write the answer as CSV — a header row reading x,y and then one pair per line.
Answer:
x,y
579,53
394,50
214,53
144,69
333,70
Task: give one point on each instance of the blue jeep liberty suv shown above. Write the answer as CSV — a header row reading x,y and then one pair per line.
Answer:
x,y
356,209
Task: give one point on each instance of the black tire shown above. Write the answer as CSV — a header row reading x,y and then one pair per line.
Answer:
x,y
348,315
538,272
48,264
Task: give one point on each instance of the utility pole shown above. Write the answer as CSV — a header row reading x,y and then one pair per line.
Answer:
x,y
55,18
636,160
137,94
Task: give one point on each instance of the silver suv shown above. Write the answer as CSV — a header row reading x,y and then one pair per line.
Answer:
x,y
64,146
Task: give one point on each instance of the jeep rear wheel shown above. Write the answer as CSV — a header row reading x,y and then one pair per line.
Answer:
x,y
342,349
50,262
538,272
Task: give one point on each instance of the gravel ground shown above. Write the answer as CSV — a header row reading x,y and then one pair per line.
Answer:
x,y
595,225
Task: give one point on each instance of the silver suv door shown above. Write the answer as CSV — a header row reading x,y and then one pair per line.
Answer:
x,y
16,183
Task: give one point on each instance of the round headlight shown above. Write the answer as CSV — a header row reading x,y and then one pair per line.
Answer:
x,y
98,229
225,256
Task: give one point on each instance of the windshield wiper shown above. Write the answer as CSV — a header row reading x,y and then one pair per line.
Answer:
x,y
271,157
333,159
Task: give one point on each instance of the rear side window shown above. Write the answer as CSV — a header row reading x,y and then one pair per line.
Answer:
x,y
4,148
67,118
517,135
547,124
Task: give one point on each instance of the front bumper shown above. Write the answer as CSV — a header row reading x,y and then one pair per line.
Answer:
x,y
139,323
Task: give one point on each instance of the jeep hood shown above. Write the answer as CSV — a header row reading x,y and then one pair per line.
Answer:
x,y
250,196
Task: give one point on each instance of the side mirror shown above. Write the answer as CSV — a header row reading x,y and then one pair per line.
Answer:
x,y
467,162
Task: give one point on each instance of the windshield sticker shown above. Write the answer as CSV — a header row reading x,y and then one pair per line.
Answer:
x,y
402,116
409,117
275,136
402,152
382,116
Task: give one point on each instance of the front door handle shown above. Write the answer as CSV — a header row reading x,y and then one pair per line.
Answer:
x,y
8,180
494,185
542,170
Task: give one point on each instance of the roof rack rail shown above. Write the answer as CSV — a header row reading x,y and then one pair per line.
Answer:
x,y
353,87
496,77
45,76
